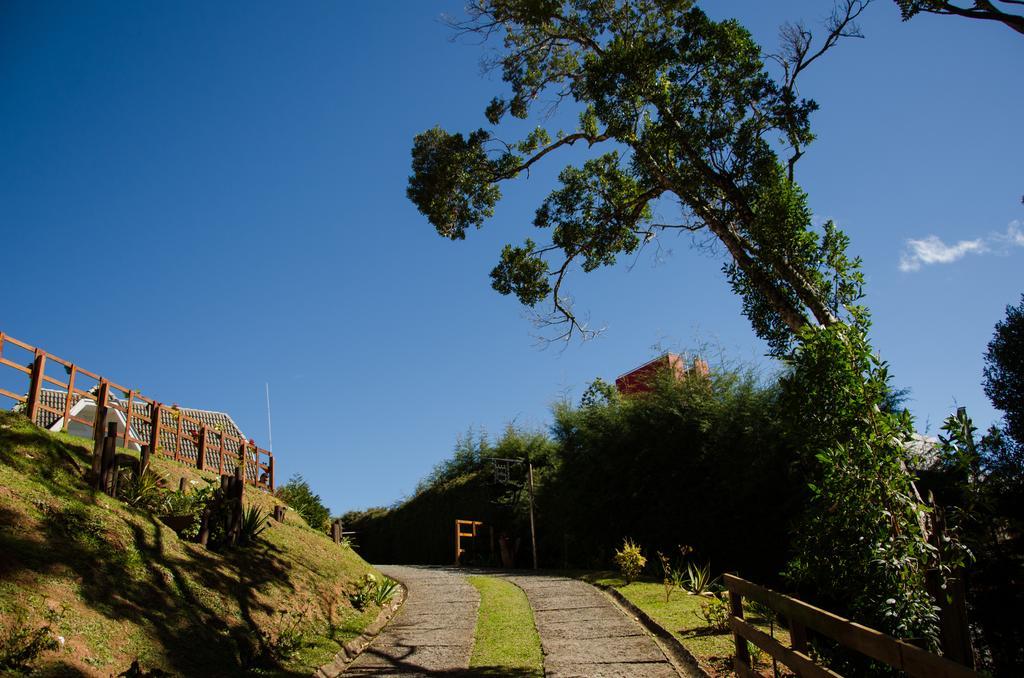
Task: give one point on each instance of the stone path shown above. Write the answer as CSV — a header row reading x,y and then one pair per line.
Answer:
x,y
433,632
584,633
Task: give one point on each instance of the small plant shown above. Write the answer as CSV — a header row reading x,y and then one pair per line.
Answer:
x,y
699,579
254,522
675,576
630,559
363,595
287,634
384,590
715,613
21,645
142,490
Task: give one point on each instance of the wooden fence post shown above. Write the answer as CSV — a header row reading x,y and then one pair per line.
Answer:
x,y
144,459
181,485
177,436
336,530
204,527
36,385
270,470
97,426
72,373
128,416
155,412
201,455
107,459
237,506
742,659
220,453
242,461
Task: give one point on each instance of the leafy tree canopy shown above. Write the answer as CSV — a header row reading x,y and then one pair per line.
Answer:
x,y
299,495
690,114
1004,370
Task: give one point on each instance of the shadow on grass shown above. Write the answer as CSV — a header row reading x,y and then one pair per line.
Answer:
x,y
177,597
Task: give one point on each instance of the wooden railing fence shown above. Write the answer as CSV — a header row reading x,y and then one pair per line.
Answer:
x,y
166,430
801,617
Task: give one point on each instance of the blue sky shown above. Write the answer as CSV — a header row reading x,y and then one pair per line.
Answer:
x,y
199,198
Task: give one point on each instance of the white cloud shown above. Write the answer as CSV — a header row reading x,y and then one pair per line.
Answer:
x,y
932,250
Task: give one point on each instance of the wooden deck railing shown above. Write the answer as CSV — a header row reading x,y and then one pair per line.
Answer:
x,y
166,430
910,659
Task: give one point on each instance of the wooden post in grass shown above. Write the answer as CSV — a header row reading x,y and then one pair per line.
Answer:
x,y
741,662
279,513
201,455
336,530
181,484
36,385
204,527
107,459
97,426
143,460
270,469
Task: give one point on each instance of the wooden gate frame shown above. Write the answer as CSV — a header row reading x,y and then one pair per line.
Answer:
x,y
459,534
911,659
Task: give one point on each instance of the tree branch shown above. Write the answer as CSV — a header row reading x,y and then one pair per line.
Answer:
x,y
567,140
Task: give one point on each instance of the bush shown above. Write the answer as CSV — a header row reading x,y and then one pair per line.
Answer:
x,y
300,497
254,522
630,560
715,613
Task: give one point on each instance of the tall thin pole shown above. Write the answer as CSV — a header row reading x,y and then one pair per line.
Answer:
x,y
533,533
270,431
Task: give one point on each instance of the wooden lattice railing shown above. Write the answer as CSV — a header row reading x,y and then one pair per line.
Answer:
x,y
165,429
801,618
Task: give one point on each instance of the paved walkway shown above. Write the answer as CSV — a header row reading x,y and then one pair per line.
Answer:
x,y
584,633
433,632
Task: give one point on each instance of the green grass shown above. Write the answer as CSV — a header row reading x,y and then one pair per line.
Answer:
x,y
506,641
681,615
125,587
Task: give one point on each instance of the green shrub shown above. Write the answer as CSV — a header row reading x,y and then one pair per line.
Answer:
x,y
142,490
370,590
699,580
715,613
363,595
630,560
384,590
300,497
254,522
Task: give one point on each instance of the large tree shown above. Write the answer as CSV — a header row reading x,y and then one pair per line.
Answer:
x,y
692,118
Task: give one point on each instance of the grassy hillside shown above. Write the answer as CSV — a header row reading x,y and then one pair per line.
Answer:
x,y
115,585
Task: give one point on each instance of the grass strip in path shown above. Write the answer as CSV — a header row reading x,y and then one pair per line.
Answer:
x,y
506,642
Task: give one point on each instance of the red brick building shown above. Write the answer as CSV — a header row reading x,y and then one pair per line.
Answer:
x,y
641,379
